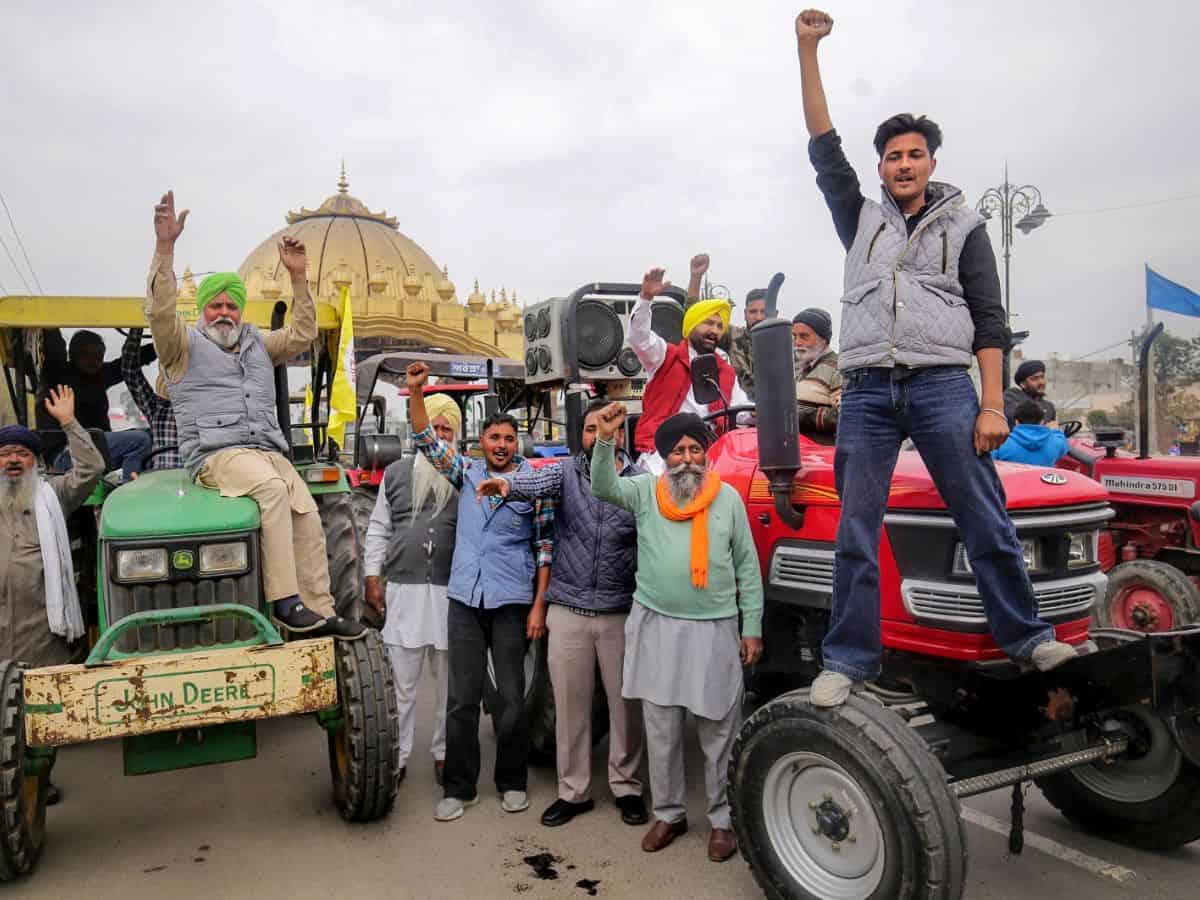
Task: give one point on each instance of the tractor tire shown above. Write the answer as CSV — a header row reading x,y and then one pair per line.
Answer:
x,y
539,705
364,504
1149,596
1151,801
344,549
22,795
364,754
846,803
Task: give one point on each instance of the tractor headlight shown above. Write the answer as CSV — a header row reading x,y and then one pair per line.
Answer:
x,y
217,559
142,564
1031,552
1084,549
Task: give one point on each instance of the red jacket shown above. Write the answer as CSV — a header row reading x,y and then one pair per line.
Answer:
x,y
667,390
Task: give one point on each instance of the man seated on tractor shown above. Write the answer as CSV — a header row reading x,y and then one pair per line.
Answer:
x,y
697,571
818,381
1031,442
40,615
922,296
410,542
1030,384
741,350
154,404
220,377
82,367
668,367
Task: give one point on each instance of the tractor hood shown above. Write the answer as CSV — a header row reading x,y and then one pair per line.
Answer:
x,y
170,504
735,456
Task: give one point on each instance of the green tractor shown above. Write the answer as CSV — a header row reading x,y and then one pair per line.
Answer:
x,y
182,658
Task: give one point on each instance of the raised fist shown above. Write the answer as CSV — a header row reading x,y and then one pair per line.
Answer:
x,y
293,256
168,226
653,283
610,421
812,25
700,264
415,377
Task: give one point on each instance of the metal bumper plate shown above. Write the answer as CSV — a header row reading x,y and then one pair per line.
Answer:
x,y
76,704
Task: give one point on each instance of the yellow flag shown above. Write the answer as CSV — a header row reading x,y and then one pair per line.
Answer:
x,y
342,400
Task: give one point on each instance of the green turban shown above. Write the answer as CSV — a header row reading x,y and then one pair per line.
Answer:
x,y
222,283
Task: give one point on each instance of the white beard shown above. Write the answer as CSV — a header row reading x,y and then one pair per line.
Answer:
x,y
428,483
684,482
225,338
16,494
810,355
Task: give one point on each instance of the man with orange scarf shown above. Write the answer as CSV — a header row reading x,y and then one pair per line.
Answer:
x,y
697,568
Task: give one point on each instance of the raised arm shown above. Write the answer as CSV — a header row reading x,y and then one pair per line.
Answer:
x,y
169,332
87,462
650,348
297,336
606,483
699,268
425,439
811,26
131,373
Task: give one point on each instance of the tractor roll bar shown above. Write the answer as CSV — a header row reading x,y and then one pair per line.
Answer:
x,y
1144,391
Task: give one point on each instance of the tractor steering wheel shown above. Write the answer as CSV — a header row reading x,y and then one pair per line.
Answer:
x,y
730,413
1071,427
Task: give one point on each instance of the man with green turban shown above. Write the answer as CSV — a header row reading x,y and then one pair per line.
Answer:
x,y
220,375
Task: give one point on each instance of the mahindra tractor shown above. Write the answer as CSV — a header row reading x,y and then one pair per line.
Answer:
x,y
863,801
181,659
1150,549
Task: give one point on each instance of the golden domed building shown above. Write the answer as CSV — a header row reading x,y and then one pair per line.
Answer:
x,y
402,299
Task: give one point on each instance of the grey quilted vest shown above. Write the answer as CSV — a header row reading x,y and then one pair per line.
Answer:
x,y
225,399
903,303
419,552
595,545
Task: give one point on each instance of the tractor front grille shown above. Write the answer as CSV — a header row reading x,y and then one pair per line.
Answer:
x,y
951,605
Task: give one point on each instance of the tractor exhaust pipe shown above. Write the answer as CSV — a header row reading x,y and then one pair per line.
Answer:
x,y
1144,391
990,781
775,398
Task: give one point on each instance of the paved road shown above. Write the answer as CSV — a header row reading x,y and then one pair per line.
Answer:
x,y
265,828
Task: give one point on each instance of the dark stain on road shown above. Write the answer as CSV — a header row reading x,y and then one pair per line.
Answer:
x,y
153,869
543,866
588,885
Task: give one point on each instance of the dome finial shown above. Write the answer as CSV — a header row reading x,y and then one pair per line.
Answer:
x,y
343,184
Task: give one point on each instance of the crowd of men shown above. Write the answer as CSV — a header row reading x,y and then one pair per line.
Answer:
x,y
638,565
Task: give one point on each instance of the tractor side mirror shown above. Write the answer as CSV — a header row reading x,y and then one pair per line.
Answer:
x,y
706,384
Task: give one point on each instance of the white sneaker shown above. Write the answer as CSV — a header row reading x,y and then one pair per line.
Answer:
x,y
1051,655
515,801
451,808
830,689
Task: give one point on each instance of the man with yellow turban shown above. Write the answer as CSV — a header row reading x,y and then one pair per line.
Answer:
x,y
410,543
669,390
220,376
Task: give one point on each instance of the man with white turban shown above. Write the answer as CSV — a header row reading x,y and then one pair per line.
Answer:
x,y
410,543
668,366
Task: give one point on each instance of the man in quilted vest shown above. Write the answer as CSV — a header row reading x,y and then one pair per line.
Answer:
x,y
921,298
668,366
220,375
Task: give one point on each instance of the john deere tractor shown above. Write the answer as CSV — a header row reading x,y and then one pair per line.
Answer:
x,y
182,659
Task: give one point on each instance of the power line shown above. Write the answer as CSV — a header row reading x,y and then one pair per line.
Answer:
x,y
21,244
1102,349
21,274
1104,209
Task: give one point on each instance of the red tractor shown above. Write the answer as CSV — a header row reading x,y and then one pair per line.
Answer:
x,y
1151,547
863,801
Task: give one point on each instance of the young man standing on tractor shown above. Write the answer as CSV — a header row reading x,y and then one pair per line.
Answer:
x,y
921,296
220,376
590,594
684,650
497,592
668,367
410,542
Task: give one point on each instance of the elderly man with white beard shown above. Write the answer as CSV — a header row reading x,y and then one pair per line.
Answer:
x,y
410,543
818,381
697,569
220,376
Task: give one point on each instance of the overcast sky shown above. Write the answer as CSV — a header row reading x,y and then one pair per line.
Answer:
x,y
542,145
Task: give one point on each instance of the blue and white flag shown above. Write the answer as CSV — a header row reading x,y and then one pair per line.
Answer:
x,y
1165,294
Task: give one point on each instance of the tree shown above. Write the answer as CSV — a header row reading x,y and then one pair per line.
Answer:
x,y
1098,418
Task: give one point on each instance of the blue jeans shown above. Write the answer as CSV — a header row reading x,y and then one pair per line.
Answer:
x,y
937,408
126,449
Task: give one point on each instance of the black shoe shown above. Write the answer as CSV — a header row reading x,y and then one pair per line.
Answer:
x,y
53,794
299,619
341,629
633,810
560,812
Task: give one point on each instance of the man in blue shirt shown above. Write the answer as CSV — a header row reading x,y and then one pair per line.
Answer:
x,y
1032,442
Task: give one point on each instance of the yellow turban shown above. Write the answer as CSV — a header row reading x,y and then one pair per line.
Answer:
x,y
444,405
704,309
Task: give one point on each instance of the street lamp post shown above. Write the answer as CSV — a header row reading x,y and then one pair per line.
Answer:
x,y
1020,206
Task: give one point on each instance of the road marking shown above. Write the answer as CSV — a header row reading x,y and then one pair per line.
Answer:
x,y
1052,848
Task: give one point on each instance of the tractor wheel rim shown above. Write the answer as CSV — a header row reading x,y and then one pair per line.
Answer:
x,y
823,827
1142,608
1140,779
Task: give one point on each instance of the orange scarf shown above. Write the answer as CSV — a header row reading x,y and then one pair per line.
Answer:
x,y
697,511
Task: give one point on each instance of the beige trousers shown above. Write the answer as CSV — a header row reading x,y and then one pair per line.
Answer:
x,y
576,644
293,542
